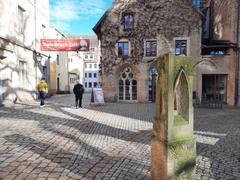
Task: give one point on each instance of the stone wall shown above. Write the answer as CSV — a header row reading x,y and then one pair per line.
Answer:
x,y
224,20
162,20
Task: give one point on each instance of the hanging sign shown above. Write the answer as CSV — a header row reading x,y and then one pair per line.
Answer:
x,y
97,96
65,44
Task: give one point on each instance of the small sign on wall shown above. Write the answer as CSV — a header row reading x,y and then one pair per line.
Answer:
x,y
97,96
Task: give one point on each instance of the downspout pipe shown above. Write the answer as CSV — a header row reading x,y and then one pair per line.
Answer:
x,y
237,96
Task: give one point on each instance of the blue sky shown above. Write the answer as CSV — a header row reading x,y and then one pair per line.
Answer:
x,y
77,16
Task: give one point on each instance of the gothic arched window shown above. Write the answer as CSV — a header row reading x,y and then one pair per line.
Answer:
x,y
127,85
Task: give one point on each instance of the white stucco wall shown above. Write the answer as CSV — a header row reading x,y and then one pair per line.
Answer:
x,y
16,46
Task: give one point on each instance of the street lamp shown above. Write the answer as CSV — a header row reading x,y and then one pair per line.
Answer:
x,y
37,57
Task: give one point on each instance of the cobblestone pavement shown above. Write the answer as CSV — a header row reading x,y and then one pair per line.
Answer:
x,y
105,142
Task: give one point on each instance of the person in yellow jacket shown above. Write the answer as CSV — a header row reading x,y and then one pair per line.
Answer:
x,y
42,89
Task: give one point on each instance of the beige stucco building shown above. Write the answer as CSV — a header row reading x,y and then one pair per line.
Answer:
x,y
133,34
22,24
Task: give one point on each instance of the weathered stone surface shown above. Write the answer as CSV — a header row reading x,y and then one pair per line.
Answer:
x,y
161,20
173,145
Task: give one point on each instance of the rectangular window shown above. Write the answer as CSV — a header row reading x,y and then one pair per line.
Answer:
x,y
91,56
95,75
90,66
123,49
90,75
95,84
92,49
85,84
151,48
95,66
85,75
20,19
89,84
128,22
197,3
22,72
181,47
45,72
57,59
86,56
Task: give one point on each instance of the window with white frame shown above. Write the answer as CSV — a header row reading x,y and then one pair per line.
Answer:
x,y
22,72
90,66
181,47
95,66
20,19
127,85
95,75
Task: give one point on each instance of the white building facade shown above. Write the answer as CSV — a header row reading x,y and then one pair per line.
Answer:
x,y
84,65
22,25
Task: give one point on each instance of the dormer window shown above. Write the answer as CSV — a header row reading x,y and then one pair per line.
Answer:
x,y
128,22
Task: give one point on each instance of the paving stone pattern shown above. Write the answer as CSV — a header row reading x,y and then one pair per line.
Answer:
x,y
105,142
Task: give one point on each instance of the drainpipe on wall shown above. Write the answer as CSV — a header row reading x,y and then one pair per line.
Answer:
x,y
237,96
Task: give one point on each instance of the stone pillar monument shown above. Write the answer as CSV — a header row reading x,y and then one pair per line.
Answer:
x,y
173,144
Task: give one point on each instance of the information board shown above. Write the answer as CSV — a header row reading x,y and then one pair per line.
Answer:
x,y
97,96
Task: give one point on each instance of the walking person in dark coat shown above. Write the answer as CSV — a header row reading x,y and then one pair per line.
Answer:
x,y
78,90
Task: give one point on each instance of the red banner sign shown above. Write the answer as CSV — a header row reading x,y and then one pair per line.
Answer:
x,y
65,44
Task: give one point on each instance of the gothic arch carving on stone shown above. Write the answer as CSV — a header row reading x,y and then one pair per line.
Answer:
x,y
181,99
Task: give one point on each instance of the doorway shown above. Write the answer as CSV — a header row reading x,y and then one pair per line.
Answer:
x,y
214,87
58,85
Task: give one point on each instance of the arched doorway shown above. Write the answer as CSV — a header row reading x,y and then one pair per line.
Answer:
x,y
152,84
127,85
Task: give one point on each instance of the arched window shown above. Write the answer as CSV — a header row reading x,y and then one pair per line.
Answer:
x,y
152,84
127,85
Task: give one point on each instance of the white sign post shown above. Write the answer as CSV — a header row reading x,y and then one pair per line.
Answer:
x,y
97,96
